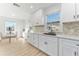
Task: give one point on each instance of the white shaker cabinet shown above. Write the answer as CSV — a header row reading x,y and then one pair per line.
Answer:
x,y
36,40
48,44
67,12
52,46
33,39
69,47
78,51
43,43
30,38
37,18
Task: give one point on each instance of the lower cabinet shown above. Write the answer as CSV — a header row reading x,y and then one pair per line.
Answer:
x,y
36,40
69,47
48,44
54,46
78,51
43,43
33,39
30,38
69,50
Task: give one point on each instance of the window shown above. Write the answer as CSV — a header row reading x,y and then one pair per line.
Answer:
x,y
53,17
10,26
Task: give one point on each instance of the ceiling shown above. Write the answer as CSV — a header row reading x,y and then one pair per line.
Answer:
x,y
23,11
35,6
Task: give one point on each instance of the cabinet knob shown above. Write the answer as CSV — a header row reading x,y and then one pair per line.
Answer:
x,y
45,43
75,16
77,45
37,23
28,36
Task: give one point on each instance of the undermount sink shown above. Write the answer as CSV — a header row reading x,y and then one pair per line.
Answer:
x,y
50,33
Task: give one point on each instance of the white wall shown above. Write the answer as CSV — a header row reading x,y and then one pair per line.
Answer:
x,y
52,8
20,25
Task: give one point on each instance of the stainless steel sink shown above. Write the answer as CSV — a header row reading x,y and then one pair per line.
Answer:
x,y
50,33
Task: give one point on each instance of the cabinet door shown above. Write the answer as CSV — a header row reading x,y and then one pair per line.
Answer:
x,y
78,51
38,18
48,44
67,12
42,43
30,38
52,47
77,48
36,41
69,48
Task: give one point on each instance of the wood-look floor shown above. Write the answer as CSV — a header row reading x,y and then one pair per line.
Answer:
x,y
18,47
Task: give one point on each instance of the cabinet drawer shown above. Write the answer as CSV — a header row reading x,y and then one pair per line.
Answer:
x,y
71,42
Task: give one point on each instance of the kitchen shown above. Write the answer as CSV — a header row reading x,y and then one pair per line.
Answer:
x,y
51,28
56,33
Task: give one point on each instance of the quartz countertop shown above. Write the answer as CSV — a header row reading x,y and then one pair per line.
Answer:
x,y
63,36
72,37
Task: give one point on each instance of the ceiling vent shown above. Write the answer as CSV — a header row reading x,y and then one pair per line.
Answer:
x,y
15,4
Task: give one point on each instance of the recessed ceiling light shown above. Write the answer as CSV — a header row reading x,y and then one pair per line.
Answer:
x,y
31,6
13,15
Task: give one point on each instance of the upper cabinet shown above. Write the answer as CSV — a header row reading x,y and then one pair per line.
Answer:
x,y
38,18
77,10
67,12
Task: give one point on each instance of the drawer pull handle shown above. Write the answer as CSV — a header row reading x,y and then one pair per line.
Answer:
x,y
74,17
75,53
77,44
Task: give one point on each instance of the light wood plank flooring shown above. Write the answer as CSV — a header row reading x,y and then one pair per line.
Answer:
x,y
18,47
